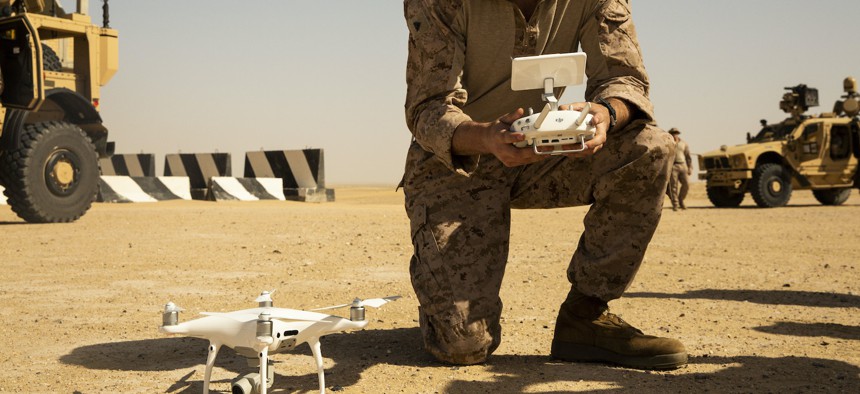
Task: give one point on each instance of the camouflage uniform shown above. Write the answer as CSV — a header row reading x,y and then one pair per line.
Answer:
x,y
459,207
679,182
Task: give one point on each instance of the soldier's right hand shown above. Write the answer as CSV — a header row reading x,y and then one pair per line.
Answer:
x,y
495,138
500,142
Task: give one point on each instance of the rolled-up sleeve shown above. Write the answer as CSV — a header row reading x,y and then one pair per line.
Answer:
x,y
615,67
435,95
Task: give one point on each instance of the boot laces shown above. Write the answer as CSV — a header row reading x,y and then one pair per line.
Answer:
x,y
615,320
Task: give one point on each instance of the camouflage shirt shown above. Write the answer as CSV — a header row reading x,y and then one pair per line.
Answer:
x,y
460,51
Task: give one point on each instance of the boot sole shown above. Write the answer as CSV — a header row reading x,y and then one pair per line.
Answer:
x,y
566,351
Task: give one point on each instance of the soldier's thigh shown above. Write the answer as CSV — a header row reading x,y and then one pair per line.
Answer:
x,y
460,238
460,228
554,182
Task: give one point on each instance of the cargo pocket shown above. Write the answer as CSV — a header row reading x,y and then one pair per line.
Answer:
x,y
429,273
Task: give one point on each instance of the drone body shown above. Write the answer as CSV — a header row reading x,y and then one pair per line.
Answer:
x,y
259,332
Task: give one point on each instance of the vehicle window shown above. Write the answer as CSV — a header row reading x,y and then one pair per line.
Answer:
x,y
840,142
773,132
810,132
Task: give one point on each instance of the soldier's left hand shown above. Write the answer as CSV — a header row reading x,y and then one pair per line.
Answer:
x,y
599,119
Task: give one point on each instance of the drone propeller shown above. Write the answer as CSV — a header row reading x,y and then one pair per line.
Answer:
x,y
293,314
378,302
358,303
171,307
275,313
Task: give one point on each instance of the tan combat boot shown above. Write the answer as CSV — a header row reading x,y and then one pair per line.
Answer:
x,y
586,331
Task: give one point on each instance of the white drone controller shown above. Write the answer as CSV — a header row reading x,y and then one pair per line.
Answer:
x,y
552,127
555,128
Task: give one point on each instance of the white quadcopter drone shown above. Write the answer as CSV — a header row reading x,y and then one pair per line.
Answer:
x,y
256,333
551,127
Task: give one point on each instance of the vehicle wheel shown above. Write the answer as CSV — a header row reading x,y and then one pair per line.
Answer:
x,y
832,196
724,197
54,176
50,60
770,186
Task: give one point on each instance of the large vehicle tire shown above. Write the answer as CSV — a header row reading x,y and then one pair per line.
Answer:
x,y
832,196
770,186
50,60
724,197
54,176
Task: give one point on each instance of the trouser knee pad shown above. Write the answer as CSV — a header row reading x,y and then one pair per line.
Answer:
x,y
460,343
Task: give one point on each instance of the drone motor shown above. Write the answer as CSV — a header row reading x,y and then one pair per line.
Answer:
x,y
264,325
170,316
356,311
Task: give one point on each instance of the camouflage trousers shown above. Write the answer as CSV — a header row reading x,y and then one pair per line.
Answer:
x,y
461,226
679,185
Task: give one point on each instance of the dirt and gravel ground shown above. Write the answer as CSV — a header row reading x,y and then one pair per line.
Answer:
x,y
766,300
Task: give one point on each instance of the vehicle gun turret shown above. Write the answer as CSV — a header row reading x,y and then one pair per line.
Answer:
x,y
798,100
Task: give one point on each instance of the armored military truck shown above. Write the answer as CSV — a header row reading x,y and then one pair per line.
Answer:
x,y
53,64
802,152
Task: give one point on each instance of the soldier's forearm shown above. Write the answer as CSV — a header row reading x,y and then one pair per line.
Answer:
x,y
624,112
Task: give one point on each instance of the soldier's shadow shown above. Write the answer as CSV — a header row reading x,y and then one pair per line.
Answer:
x,y
767,297
355,352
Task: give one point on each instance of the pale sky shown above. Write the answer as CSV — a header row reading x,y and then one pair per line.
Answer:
x,y
232,76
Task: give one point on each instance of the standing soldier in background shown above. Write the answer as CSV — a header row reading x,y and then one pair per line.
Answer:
x,y
679,183
463,174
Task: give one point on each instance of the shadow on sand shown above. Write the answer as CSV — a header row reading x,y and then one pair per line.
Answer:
x,y
353,353
769,297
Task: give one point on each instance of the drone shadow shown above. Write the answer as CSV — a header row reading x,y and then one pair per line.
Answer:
x,y
355,352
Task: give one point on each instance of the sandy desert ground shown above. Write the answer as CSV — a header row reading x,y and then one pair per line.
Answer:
x,y
766,300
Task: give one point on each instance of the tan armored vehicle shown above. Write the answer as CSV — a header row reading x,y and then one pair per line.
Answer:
x,y
802,152
53,64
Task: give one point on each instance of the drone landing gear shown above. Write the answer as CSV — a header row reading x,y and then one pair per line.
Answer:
x,y
210,361
315,349
264,363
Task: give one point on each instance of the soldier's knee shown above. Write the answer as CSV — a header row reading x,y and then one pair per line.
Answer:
x,y
661,144
463,343
659,148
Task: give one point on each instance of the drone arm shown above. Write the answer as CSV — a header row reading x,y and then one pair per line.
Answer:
x,y
210,361
314,343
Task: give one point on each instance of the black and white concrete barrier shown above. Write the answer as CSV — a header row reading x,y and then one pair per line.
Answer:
x,y
199,168
128,165
302,171
120,189
245,189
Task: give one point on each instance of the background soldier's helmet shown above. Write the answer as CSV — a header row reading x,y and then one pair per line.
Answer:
x,y
850,85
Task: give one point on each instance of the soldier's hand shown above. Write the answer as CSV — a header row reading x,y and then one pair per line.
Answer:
x,y
600,120
499,141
